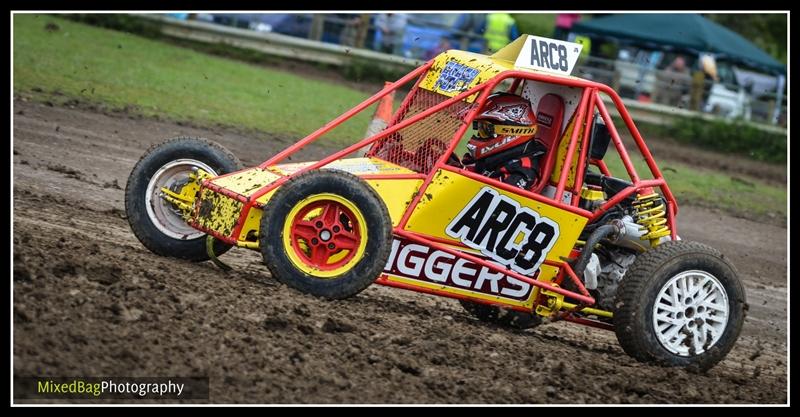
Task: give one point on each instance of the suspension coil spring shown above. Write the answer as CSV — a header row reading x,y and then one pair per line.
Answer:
x,y
651,215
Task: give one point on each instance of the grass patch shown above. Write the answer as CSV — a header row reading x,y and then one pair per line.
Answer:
x,y
106,67
739,196
733,137
359,70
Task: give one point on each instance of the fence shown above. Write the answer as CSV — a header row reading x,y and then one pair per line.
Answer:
x,y
421,35
665,99
682,90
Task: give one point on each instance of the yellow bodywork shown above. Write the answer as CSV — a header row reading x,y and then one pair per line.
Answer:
x,y
246,182
450,192
218,212
474,69
591,194
561,156
396,193
483,67
446,197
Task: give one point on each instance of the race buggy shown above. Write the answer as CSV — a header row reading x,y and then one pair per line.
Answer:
x,y
581,244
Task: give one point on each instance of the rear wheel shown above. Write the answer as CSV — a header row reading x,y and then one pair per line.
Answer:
x,y
326,233
157,223
680,304
501,316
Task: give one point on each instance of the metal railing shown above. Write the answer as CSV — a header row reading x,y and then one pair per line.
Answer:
x,y
357,30
663,101
683,90
275,44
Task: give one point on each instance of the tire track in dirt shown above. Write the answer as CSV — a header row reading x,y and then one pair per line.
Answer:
x,y
90,300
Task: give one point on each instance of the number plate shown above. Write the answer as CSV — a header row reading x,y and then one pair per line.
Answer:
x,y
549,55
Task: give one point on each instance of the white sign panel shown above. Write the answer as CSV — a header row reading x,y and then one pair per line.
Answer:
x,y
549,55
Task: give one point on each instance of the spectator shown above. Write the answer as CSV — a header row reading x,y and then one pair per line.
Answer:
x,y
678,65
471,39
444,44
390,29
709,66
564,22
674,83
499,30
350,31
361,30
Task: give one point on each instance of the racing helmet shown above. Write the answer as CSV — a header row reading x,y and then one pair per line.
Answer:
x,y
507,120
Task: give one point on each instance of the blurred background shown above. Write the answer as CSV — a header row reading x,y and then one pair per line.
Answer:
x,y
729,65
93,91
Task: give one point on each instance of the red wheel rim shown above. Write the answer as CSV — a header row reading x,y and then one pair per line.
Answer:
x,y
325,235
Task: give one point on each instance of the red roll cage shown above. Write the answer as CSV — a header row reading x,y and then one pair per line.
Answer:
x,y
589,101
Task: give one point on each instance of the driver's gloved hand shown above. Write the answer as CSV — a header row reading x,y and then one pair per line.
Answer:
x,y
468,162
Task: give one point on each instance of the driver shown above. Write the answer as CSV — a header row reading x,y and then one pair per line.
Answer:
x,y
502,146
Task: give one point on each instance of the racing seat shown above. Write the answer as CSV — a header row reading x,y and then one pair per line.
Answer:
x,y
550,119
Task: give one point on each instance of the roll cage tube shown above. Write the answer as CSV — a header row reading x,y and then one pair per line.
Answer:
x,y
590,99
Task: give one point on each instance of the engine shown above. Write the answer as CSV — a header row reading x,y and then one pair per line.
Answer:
x,y
640,223
613,265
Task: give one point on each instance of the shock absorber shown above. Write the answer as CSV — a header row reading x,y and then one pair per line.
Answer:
x,y
651,216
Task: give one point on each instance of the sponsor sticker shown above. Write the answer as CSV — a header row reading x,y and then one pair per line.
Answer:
x,y
544,119
455,77
504,231
423,263
353,166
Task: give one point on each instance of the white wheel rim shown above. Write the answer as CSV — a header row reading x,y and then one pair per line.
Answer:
x,y
690,313
162,214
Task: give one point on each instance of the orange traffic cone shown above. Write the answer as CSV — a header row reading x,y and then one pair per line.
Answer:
x,y
383,115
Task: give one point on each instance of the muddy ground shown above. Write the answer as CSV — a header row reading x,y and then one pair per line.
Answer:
x,y
90,300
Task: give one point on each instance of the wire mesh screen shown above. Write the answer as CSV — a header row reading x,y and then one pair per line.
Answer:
x,y
419,146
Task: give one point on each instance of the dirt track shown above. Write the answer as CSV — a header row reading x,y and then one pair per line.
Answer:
x,y
90,300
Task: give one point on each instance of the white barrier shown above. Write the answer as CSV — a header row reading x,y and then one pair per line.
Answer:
x,y
276,44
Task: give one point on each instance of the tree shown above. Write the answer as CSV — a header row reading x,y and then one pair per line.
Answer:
x,y
767,31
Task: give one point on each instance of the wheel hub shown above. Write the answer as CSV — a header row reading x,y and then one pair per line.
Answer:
x,y
330,232
690,313
163,214
325,235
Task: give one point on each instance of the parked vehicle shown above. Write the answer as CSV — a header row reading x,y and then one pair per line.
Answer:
x,y
292,24
424,32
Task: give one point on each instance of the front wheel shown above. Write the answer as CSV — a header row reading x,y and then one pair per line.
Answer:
x,y
157,223
326,233
680,304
